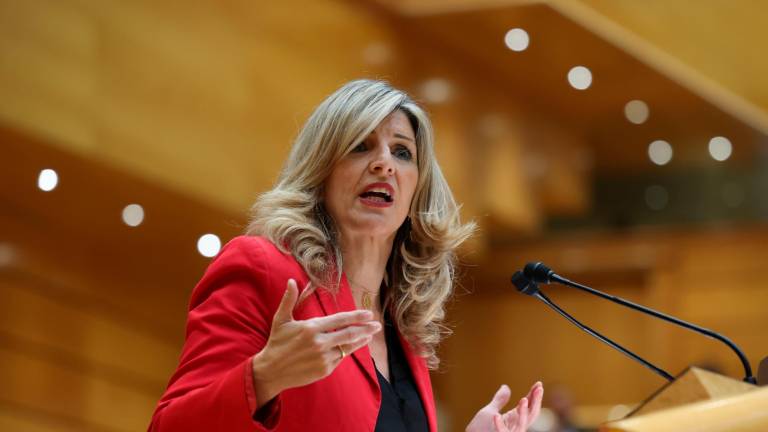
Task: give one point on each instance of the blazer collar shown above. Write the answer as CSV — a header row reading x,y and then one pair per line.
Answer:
x,y
421,378
342,302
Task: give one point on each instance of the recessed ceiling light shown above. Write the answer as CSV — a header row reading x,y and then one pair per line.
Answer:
x,y
133,215
720,148
377,53
517,39
636,111
208,245
656,197
436,90
660,152
7,254
47,180
580,78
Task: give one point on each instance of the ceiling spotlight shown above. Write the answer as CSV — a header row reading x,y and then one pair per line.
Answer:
x,y
636,111
133,215
47,180
656,197
517,39
720,148
208,245
580,78
7,254
436,90
377,53
660,152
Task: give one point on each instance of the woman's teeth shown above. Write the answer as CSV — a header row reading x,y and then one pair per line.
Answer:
x,y
375,195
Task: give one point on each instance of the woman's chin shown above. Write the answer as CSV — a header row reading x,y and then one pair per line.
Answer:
x,y
371,225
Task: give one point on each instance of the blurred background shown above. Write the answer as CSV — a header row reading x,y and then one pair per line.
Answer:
x,y
622,142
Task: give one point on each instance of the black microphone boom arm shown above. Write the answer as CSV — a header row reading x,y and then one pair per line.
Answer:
x,y
527,287
540,295
540,273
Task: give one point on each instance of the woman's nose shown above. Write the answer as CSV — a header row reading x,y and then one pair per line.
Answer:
x,y
383,163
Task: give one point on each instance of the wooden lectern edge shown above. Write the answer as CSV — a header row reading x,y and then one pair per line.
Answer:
x,y
692,385
740,413
695,398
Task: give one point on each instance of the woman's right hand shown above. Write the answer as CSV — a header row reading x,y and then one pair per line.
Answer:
x,y
298,353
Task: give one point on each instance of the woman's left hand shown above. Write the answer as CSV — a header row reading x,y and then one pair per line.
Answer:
x,y
490,419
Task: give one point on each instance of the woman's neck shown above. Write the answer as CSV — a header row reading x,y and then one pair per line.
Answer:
x,y
364,261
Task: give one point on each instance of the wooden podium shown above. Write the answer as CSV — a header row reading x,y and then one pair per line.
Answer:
x,y
699,400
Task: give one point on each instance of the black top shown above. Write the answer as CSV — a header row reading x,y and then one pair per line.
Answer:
x,y
401,408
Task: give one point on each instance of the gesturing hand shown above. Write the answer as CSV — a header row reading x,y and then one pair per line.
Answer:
x,y
298,353
490,419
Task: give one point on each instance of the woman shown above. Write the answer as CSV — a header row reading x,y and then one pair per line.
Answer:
x,y
327,314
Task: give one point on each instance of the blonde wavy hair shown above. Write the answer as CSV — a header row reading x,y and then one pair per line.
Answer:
x,y
421,267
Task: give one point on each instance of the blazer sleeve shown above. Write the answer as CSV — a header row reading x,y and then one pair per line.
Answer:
x,y
229,321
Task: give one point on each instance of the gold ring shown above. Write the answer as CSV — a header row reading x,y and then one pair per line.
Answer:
x,y
341,350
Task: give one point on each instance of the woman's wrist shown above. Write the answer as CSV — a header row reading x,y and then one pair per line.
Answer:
x,y
263,383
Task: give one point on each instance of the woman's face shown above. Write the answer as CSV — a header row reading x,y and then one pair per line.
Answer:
x,y
369,190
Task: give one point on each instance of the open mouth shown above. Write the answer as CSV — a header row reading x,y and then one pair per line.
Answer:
x,y
377,195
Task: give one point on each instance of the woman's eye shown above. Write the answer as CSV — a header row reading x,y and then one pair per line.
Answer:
x,y
359,148
403,153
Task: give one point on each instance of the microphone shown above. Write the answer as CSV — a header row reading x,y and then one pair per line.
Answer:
x,y
528,287
539,273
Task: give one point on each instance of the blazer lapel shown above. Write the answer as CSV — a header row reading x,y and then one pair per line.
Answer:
x,y
343,302
423,383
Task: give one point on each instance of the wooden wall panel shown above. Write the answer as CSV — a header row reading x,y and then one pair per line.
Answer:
x,y
92,317
57,389
14,419
64,328
48,67
204,97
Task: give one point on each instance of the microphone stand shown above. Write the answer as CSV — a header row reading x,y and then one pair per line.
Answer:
x,y
538,272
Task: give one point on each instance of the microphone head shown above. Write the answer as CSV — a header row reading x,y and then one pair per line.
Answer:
x,y
523,284
538,272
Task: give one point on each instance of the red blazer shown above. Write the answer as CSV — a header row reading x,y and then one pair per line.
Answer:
x,y
230,315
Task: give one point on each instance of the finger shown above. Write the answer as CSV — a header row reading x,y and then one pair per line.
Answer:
x,y
351,333
284,311
499,423
533,387
341,319
536,388
522,415
356,345
510,417
535,405
500,398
